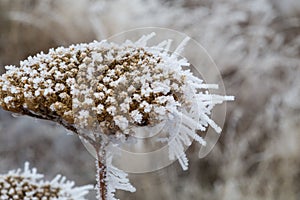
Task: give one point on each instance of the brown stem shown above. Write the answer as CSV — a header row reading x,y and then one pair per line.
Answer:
x,y
101,174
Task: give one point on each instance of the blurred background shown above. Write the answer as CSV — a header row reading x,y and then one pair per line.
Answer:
x,y
256,45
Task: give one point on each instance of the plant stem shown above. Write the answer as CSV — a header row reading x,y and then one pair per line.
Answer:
x,y
101,173
101,176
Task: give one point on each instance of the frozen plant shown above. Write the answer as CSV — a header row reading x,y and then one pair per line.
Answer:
x,y
28,184
102,91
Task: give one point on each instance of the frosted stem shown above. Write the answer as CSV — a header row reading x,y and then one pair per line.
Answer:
x,y
101,174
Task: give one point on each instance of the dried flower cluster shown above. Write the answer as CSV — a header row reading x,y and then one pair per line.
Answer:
x,y
107,88
55,84
28,185
118,85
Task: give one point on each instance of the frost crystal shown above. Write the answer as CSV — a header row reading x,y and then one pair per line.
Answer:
x,y
116,179
28,184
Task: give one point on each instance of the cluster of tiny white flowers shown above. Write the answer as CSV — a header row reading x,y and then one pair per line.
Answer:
x,y
28,185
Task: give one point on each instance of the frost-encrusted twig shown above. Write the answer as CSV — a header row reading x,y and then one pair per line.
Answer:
x,y
102,90
109,178
101,187
28,184
116,179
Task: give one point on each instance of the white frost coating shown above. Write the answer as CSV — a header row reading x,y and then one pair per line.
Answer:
x,y
121,121
195,109
181,46
136,116
27,179
116,180
180,137
8,99
144,39
184,116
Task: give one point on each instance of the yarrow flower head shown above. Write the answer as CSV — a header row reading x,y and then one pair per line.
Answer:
x,y
117,85
27,184
113,90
